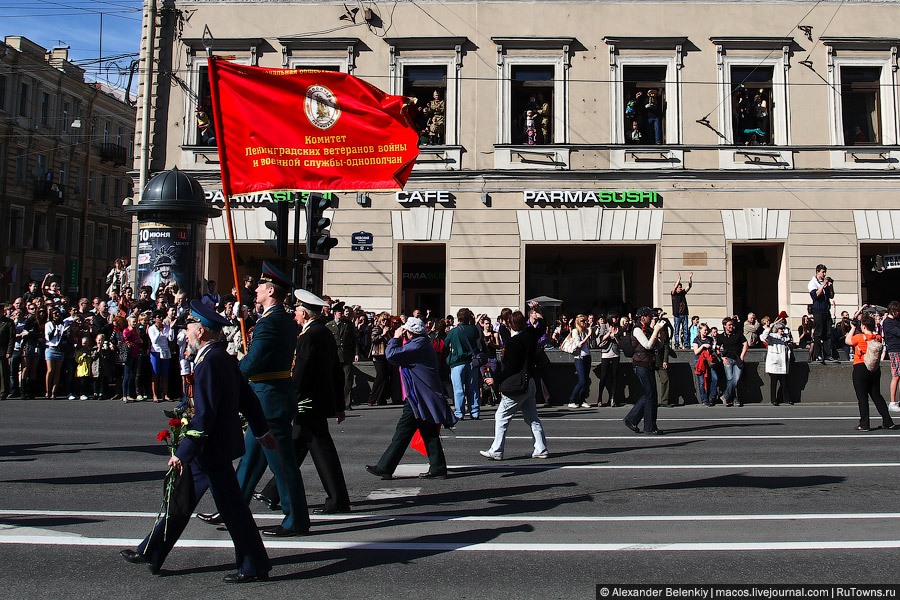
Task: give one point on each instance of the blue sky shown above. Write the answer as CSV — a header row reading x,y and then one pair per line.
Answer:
x,y
76,23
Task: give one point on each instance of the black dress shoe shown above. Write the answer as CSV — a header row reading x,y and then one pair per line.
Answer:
x,y
138,559
211,518
893,426
267,501
279,531
331,511
241,578
656,432
430,475
377,473
631,426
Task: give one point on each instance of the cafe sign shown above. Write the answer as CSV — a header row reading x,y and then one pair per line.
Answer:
x,y
601,197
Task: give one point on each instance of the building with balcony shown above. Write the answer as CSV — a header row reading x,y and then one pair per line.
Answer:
x,y
65,154
590,151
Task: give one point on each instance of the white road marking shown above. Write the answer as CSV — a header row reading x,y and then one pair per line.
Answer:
x,y
495,466
633,437
477,547
525,518
386,493
721,419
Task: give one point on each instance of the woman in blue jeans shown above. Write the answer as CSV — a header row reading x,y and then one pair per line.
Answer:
x,y
581,334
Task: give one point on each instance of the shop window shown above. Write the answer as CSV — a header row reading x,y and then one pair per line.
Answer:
x,y
531,104
645,106
427,86
751,106
861,105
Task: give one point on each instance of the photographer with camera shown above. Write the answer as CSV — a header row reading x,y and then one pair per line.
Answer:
x,y
821,290
778,339
646,335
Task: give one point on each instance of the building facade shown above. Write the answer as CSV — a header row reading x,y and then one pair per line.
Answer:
x,y
66,148
588,151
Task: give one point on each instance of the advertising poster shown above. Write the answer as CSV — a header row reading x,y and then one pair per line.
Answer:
x,y
164,256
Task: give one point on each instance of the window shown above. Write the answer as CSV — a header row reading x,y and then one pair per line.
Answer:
x,y
38,232
103,188
117,191
24,91
89,237
645,104
90,186
21,165
751,106
204,128
64,120
531,104
120,136
105,132
76,236
2,161
59,234
861,105
45,108
428,85
76,180
3,83
100,242
115,241
15,226
64,174
41,167
861,88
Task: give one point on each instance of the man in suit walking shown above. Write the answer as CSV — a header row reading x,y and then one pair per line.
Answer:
x,y
268,367
318,386
213,441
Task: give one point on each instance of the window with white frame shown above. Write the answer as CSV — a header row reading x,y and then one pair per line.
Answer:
x,y
862,90
427,85
533,107
751,106
646,89
199,127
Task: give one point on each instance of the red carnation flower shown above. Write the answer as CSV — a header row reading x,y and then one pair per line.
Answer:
x,y
174,422
163,436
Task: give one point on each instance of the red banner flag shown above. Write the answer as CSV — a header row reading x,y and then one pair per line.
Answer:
x,y
290,129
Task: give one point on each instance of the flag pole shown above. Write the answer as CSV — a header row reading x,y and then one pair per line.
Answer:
x,y
226,189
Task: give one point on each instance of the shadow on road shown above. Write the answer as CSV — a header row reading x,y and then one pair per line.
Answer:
x,y
739,480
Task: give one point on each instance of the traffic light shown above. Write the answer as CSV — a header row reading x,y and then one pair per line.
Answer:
x,y
318,239
280,228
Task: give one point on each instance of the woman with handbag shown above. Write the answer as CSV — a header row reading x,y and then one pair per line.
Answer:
x,y
381,333
517,389
866,379
703,365
578,344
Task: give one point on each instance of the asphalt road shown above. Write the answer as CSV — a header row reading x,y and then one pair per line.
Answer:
x,y
758,494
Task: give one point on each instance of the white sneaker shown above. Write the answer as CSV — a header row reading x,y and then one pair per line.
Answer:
x,y
543,454
71,396
585,405
83,397
574,405
894,407
491,455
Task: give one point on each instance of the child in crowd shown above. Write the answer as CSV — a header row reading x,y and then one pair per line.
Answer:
x,y
83,362
103,365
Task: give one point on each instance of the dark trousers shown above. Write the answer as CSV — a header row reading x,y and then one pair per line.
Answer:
x,y
646,406
381,387
822,336
313,438
609,368
866,384
283,465
662,392
406,427
5,383
250,554
781,394
582,370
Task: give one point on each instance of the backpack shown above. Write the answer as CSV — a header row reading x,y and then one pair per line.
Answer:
x,y
872,357
628,344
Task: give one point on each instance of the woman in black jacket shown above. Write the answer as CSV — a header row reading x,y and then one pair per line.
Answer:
x,y
516,384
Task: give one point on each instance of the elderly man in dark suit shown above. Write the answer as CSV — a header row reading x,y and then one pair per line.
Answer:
x,y
268,367
220,392
318,386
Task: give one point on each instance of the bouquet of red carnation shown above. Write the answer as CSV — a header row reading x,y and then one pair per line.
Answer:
x,y
178,489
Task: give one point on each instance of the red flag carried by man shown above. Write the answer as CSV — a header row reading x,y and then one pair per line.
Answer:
x,y
290,129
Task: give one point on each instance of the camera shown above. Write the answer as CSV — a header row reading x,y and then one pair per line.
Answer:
x,y
829,280
855,323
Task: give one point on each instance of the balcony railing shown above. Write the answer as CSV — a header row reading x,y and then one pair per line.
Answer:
x,y
113,153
